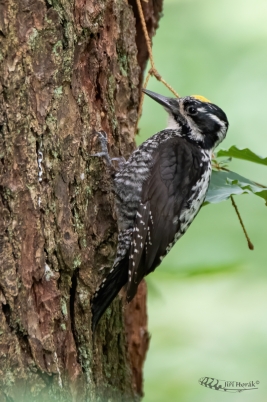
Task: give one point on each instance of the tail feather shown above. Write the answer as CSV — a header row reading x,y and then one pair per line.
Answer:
x,y
108,290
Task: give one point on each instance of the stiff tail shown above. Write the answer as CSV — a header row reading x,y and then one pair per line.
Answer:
x,y
108,290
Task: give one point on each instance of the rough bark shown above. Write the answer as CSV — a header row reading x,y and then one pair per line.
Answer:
x,y
67,69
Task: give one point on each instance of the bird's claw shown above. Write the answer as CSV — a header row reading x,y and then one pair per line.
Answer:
x,y
102,135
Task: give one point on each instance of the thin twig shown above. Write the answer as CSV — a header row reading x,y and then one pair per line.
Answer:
x,y
250,245
153,71
143,23
159,78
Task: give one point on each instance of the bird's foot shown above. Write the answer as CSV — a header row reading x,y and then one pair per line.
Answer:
x,y
103,138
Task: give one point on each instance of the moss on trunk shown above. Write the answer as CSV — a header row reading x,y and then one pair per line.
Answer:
x,y
68,69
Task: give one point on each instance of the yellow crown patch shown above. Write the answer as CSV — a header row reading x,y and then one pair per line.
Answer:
x,y
201,98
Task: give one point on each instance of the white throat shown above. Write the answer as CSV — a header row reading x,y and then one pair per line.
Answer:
x,y
172,124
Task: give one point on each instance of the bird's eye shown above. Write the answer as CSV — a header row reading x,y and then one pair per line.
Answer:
x,y
191,110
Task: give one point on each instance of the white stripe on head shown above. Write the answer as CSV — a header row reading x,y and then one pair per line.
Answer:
x,y
216,118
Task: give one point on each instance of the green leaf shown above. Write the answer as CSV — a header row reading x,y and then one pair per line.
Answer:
x,y
245,154
225,184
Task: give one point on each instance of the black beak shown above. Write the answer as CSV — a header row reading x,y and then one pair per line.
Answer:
x,y
170,104
162,100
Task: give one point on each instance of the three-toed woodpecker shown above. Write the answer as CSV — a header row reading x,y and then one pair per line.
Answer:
x,y
159,191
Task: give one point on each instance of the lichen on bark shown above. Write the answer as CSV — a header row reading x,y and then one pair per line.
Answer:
x,y
67,69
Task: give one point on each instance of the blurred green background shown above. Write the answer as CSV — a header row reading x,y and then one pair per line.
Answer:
x,y
207,301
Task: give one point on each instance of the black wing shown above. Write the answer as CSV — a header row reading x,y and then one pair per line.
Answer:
x,y
178,165
108,290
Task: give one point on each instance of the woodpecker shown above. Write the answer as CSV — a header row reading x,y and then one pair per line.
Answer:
x,y
159,191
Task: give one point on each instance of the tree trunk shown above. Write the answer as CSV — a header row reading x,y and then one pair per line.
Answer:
x,y
67,69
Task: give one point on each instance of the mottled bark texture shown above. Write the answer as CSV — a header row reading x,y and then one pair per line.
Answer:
x,y
67,69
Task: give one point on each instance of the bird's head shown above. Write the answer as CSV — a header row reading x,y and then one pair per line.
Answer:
x,y
197,119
